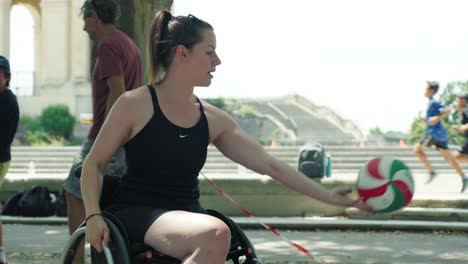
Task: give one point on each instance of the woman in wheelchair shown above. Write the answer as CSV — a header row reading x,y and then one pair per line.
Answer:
x,y
165,130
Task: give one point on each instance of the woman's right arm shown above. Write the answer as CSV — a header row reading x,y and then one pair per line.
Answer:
x,y
114,133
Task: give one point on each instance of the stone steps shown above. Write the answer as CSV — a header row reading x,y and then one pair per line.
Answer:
x,y
345,158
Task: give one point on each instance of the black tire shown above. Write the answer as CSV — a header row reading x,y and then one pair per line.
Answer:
x,y
72,245
118,247
253,261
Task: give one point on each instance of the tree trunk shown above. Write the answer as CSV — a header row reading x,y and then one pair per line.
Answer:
x,y
135,20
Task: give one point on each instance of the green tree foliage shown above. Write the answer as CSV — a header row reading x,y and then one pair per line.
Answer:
x,y
376,131
30,123
447,97
53,127
387,136
26,126
418,128
247,111
218,102
396,134
57,121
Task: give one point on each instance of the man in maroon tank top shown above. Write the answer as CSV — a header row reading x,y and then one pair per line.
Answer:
x,y
117,69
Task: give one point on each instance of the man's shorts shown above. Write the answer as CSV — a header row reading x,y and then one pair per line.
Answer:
x,y
117,166
464,149
429,141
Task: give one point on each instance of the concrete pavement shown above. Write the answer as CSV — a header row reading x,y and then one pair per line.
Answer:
x,y
43,244
302,223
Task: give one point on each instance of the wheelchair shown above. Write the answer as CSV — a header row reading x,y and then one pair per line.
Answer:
x,y
122,251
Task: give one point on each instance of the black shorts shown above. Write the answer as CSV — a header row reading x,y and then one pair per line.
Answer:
x,y
464,149
429,141
137,219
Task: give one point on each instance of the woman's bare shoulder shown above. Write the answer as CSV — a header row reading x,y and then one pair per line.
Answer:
x,y
135,97
213,110
137,93
218,120
133,102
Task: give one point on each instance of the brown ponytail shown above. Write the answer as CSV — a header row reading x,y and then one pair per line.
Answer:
x,y
166,33
158,28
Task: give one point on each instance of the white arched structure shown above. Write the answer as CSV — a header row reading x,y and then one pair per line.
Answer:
x,y
62,54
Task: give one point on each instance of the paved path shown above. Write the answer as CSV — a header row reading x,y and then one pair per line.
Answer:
x,y
43,244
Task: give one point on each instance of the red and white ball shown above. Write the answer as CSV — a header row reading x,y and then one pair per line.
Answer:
x,y
386,184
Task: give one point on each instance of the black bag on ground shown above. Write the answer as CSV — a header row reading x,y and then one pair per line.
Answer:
x,y
61,204
11,206
312,160
36,202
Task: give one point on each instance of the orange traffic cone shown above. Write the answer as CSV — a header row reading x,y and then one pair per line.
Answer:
x,y
362,144
273,144
402,144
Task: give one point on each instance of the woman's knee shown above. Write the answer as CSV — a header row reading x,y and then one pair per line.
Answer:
x,y
217,235
203,234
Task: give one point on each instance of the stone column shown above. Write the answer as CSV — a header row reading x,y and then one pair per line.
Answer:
x,y
55,45
80,68
5,8
80,45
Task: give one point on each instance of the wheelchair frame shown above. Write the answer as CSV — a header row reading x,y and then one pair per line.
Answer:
x,y
123,252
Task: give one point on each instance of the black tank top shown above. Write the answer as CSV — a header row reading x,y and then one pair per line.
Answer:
x,y
164,161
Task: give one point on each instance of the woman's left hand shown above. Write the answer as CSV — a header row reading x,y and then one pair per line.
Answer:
x,y
341,197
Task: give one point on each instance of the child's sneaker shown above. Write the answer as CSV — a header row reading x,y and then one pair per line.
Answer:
x,y
464,183
432,176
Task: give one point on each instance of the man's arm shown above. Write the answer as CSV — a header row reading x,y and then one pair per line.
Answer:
x,y
460,129
111,70
435,119
464,128
116,88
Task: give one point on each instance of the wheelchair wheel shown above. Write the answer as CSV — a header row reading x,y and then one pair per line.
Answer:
x,y
72,245
253,261
117,252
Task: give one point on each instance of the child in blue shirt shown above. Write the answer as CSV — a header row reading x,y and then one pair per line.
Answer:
x,y
436,135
